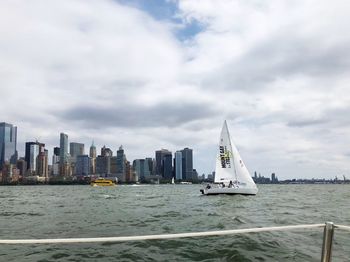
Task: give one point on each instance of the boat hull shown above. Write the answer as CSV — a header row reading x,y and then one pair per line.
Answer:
x,y
229,191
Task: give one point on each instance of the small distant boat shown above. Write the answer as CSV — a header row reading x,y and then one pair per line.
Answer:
x,y
231,175
173,181
103,182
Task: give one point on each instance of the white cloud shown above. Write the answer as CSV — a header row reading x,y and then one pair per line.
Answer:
x,y
277,70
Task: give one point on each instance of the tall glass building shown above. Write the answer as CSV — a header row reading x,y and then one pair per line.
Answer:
x,y
178,165
187,163
8,144
32,152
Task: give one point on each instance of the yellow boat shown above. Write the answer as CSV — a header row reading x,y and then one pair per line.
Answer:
x,y
102,182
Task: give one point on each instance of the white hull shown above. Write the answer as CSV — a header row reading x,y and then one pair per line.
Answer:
x,y
229,191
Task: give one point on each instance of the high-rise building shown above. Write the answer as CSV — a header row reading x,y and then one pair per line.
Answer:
x,y
64,156
8,144
163,165
76,149
103,166
56,161
114,164
92,158
139,168
105,151
83,165
32,152
178,165
168,166
187,164
149,167
121,162
21,166
42,167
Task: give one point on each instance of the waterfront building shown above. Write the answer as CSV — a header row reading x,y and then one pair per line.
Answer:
x,y
167,166
82,165
64,156
187,164
150,166
76,149
178,165
42,167
31,154
163,166
103,166
139,168
130,175
21,166
8,144
114,164
121,164
55,171
92,158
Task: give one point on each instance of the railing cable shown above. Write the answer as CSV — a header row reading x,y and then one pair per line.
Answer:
x,y
157,237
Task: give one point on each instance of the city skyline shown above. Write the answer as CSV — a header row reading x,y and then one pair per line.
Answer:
x,y
153,74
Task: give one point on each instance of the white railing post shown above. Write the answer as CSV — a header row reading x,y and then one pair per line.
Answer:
x,y
327,242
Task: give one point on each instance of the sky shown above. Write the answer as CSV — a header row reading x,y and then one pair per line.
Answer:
x,y
152,74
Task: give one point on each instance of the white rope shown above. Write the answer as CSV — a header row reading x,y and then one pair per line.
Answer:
x,y
343,227
156,237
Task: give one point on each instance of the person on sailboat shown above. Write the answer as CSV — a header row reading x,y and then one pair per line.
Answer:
x,y
231,184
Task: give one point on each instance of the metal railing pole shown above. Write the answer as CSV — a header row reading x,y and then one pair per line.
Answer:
x,y
327,242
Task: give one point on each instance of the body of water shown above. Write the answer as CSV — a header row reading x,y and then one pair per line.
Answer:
x,y
84,211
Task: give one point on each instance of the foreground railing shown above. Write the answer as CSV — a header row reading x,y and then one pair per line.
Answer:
x,y
326,247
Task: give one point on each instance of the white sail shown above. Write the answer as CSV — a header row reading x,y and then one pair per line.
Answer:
x,y
229,164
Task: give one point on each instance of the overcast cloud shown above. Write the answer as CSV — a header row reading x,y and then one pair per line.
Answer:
x,y
166,75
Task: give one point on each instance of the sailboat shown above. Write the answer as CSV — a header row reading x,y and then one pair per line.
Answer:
x,y
231,174
173,181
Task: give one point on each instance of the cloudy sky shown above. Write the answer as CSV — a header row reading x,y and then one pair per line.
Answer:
x,y
151,74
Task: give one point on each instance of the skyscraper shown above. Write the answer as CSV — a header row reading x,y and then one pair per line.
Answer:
x,y
64,156
42,167
76,149
8,144
187,165
83,165
32,152
92,158
163,167
167,165
121,164
178,165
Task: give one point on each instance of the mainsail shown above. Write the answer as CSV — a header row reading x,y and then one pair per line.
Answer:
x,y
229,164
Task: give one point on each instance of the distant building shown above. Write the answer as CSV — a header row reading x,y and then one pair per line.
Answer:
x,y
82,165
64,156
32,152
142,168
21,166
114,164
121,164
56,161
178,165
8,144
187,164
42,167
76,149
149,166
164,163
93,158
103,166
105,151
274,178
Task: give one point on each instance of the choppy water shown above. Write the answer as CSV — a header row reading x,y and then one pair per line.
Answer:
x,y
84,211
